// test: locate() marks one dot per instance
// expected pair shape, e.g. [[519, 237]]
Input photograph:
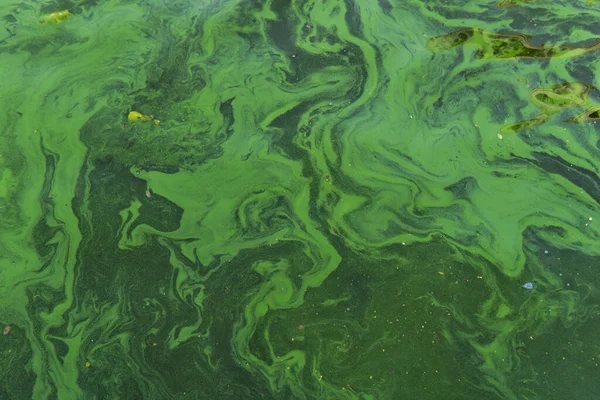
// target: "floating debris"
[[136, 116], [528, 285], [6, 330], [56, 17]]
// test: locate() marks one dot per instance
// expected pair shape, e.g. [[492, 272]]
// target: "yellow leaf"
[[56, 16], [136, 116]]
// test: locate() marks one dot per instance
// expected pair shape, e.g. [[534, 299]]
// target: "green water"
[[322, 200]]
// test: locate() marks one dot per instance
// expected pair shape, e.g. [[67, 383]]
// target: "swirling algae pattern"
[[333, 199]]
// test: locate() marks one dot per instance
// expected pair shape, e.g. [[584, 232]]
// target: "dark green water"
[[342, 199]]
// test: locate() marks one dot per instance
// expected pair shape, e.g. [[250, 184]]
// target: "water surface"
[[295, 199]]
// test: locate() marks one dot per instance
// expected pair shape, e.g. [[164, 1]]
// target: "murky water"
[[299, 199]]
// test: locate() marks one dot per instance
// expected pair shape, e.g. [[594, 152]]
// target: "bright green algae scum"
[[299, 199]]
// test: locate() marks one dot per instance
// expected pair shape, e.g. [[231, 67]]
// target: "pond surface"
[[295, 199]]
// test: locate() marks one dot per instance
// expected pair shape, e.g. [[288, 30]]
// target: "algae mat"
[[294, 199]]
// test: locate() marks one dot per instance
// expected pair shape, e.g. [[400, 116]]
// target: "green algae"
[[342, 200]]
